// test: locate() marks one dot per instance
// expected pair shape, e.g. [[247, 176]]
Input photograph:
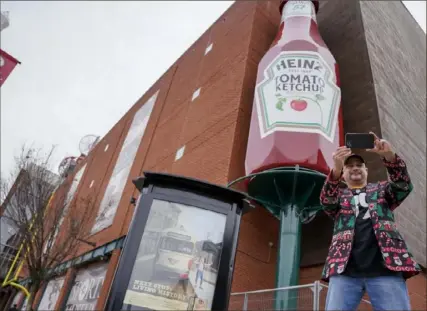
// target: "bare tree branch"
[[49, 219]]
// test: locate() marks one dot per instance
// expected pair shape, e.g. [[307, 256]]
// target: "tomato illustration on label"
[[298, 104]]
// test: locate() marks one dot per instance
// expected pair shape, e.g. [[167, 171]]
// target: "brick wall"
[[341, 26], [417, 288], [397, 50], [214, 127]]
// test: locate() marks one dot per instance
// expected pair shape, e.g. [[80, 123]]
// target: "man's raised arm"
[[329, 196], [399, 185]]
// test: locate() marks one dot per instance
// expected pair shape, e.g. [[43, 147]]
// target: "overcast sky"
[[84, 64]]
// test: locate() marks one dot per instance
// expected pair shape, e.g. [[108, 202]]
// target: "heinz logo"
[[298, 63]]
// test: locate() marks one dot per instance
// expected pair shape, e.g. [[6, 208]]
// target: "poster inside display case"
[[51, 294], [17, 299], [24, 304], [86, 287], [177, 263]]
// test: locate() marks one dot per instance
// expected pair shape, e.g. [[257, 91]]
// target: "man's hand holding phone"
[[382, 148], [339, 156]]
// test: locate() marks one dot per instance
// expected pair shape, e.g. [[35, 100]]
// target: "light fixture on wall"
[[270, 246], [133, 201]]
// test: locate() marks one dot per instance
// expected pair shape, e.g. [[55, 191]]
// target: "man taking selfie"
[[367, 252]]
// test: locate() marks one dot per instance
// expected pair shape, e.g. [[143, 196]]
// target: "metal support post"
[[245, 302], [288, 258]]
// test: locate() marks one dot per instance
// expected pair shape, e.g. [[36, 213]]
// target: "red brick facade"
[[214, 129]]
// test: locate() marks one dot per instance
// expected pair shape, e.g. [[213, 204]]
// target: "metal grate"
[[303, 297]]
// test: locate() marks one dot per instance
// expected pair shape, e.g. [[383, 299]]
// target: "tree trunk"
[[33, 292]]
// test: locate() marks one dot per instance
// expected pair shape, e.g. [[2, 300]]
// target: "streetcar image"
[[175, 253]]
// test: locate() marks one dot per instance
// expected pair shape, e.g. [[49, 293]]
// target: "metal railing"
[[7, 255], [301, 297]]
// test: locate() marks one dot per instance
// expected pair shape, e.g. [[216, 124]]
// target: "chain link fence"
[[303, 297]]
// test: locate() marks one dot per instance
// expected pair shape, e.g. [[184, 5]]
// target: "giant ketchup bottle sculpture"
[[296, 109], [295, 127]]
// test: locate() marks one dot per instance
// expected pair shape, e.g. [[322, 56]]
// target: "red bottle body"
[[296, 117]]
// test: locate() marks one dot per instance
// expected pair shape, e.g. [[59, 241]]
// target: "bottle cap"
[[315, 2]]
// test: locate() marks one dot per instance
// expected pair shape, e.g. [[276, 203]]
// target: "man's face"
[[355, 172]]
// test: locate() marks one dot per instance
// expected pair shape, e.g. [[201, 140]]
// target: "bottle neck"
[[296, 21]]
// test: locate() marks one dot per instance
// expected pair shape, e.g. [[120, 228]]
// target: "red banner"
[[7, 64]]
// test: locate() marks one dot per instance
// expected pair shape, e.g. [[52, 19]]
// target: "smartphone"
[[359, 140]]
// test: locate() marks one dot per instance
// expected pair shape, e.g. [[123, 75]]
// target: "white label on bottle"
[[298, 94], [299, 8]]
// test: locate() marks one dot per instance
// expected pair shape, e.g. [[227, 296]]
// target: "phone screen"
[[359, 140]]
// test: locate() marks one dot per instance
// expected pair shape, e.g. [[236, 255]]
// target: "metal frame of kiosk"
[[193, 193]]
